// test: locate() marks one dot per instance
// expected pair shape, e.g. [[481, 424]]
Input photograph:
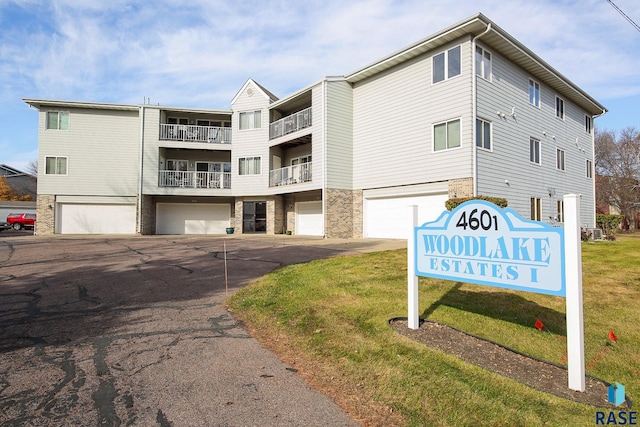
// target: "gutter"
[[474, 104], [324, 157]]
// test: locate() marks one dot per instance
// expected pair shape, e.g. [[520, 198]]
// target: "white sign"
[[480, 243]]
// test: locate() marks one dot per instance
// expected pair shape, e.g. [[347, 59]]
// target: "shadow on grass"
[[501, 305]]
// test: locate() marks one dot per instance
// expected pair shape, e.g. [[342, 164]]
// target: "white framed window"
[[58, 120], [249, 165], [177, 165], [250, 120], [559, 159], [483, 134], [446, 64], [534, 93], [559, 211], [534, 150], [589, 169], [446, 135], [55, 165], [536, 209], [588, 124], [483, 63], [559, 108]]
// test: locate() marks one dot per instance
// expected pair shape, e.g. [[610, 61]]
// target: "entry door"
[[254, 217]]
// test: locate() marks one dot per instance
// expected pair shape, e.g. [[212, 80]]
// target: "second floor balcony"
[[193, 133], [194, 179], [293, 174], [290, 124]]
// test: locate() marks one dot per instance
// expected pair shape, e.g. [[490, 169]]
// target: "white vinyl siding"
[[103, 150], [507, 170], [405, 156], [339, 155]]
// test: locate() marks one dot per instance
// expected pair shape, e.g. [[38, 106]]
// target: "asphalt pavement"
[[112, 331]]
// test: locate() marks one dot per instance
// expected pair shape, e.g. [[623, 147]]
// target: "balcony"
[[290, 175], [290, 124], [193, 179], [193, 133]]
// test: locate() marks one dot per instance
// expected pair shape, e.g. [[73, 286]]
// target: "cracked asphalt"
[[110, 331]]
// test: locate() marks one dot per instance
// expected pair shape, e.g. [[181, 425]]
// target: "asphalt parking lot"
[[113, 331]]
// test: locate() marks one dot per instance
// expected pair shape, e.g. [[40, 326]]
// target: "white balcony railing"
[[289, 124], [192, 133], [193, 179], [290, 175]]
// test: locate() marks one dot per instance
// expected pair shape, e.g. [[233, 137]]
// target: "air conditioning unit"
[[595, 233]]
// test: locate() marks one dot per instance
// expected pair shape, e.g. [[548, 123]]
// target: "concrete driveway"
[[111, 331]]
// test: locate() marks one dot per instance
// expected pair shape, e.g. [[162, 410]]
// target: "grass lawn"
[[328, 319]]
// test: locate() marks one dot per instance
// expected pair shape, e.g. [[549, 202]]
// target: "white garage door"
[[309, 219], [388, 217], [96, 219], [191, 218]]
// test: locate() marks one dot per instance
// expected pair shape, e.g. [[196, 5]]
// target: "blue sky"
[[198, 53]]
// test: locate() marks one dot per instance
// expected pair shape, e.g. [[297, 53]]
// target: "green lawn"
[[329, 319]]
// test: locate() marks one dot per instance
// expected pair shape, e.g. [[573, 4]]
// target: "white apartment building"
[[467, 111]]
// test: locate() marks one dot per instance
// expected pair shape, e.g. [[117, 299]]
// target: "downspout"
[[140, 172], [324, 157], [474, 104]]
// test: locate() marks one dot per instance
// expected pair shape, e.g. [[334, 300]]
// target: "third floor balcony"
[[291, 123]]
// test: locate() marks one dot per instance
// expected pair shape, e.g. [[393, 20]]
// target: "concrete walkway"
[[116, 331]]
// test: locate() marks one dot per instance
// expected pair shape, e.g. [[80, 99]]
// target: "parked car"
[[21, 220], [4, 226]]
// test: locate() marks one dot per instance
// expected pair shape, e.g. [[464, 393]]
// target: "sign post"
[[480, 243], [574, 300]]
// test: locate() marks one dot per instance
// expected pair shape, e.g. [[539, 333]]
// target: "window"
[[536, 209], [534, 150], [250, 120], [560, 108], [483, 63], [249, 166], [588, 124], [446, 135], [559, 159], [177, 121], [446, 64], [589, 169], [483, 134], [55, 165], [58, 120], [559, 211], [534, 93]]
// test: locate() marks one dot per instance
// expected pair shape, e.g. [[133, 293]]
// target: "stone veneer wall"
[[45, 225], [459, 188], [148, 216], [343, 213]]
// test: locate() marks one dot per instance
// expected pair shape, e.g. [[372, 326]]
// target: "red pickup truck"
[[21, 220]]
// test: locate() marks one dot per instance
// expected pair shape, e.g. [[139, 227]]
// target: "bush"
[[608, 223], [451, 204]]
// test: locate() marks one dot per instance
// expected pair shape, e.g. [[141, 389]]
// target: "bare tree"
[[32, 167], [617, 162]]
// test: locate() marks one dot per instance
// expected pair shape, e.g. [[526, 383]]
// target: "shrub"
[[608, 223], [451, 204]]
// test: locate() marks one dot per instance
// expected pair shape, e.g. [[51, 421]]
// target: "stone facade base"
[[343, 213], [46, 214], [460, 188]]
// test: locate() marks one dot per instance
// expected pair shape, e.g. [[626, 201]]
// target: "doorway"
[[254, 217]]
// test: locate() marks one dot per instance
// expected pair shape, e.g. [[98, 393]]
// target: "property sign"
[[480, 243]]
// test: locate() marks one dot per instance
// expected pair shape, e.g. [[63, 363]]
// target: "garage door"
[[184, 218], [309, 219], [388, 217], [96, 219]]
